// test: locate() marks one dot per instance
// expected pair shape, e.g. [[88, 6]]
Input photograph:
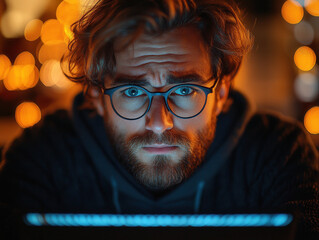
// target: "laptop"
[[57, 226]]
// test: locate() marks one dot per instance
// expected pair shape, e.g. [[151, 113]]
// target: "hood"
[[127, 195]]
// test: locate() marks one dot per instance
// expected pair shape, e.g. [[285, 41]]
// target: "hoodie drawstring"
[[115, 196], [198, 196]]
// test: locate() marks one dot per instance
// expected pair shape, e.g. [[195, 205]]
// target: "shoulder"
[[280, 158], [276, 135]]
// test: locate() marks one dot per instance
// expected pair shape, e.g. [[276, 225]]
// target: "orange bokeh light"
[[305, 58], [52, 31], [24, 58], [46, 73], [29, 77], [12, 81], [68, 12], [292, 12], [311, 120], [51, 75], [52, 51], [312, 7], [21, 77], [32, 30], [5, 65], [27, 114]]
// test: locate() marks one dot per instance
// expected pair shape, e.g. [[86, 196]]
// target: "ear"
[[222, 95], [96, 99]]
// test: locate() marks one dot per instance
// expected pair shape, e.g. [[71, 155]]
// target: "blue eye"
[[184, 91], [133, 92]]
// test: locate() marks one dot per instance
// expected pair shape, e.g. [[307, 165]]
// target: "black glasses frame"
[[110, 91]]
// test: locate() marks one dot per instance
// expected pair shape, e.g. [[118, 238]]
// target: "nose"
[[158, 118]]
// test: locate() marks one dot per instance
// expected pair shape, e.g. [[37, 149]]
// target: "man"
[[157, 129]]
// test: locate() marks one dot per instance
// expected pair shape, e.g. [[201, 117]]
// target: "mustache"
[[170, 137]]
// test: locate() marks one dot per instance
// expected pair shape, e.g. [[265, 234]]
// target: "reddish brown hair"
[[91, 57]]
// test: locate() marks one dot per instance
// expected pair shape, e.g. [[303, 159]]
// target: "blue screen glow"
[[117, 220]]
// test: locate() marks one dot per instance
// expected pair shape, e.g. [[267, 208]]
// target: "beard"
[[162, 172]]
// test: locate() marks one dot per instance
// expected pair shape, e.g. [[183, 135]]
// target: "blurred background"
[[280, 74]]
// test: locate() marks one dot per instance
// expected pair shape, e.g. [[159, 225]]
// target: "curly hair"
[[91, 53]]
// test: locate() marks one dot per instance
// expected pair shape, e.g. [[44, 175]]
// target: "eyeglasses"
[[185, 101]]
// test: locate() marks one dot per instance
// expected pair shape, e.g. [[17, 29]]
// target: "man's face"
[[160, 149]]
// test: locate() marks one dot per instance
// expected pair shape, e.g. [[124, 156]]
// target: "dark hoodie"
[[257, 162]]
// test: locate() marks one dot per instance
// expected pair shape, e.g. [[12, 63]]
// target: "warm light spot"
[[52, 51], [21, 77], [67, 13], [292, 12], [47, 76], [33, 30], [52, 31], [18, 13], [5, 65], [27, 114], [12, 81], [29, 77], [24, 58], [63, 82], [13, 22], [312, 7], [73, 1], [305, 58], [51, 75], [68, 32], [311, 120]]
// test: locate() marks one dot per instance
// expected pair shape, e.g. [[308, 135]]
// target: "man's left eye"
[[184, 91]]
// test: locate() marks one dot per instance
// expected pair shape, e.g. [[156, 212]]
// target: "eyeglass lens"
[[184, 101]]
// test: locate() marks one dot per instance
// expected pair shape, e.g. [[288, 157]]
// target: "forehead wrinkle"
[[151, 59], [160, 50]]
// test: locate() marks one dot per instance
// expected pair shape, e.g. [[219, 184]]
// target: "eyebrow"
[[171, 79]]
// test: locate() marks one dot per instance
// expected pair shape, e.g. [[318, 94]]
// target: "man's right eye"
[[133, 92]]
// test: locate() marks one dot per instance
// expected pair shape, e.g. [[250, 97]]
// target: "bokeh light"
[[24, 58], [46, 76], [51, 75], [68, 12], [23, 74], [27, 114], [68, 32], [21, 77], [33, 30], [52, 51], [292, 12], [5, 65], [305, 58], [304, 33], [52, 32], [12, 81], [311, 120], [13, 23], [307, 87], [18, 13], [312, 7]]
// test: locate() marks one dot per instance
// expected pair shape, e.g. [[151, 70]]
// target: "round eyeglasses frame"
[[110, 91]]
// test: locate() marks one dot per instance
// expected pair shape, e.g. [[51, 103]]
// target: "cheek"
[[119, 125], [202, 121]]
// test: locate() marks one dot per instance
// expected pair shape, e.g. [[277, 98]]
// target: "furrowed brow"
[[189, 78], [125, 80], [171, 79]]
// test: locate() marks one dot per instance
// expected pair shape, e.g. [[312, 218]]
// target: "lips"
[[159, 148]]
